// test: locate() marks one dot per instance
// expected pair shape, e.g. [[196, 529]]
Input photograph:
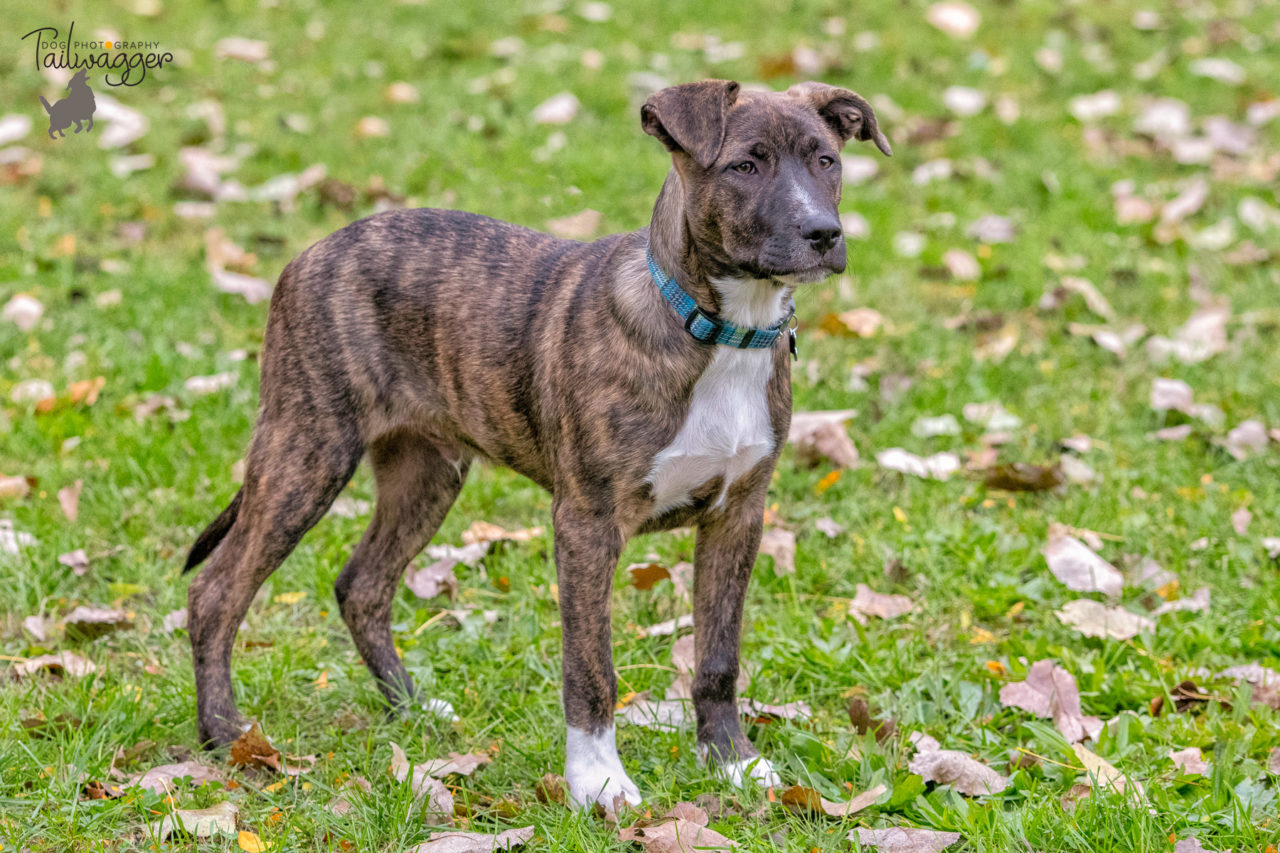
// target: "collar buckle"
[[716, 328]]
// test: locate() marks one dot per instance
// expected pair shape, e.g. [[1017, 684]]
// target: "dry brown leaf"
[[1073, 563], [863, 720], [781, 546], [645, 575], [63, 663], [475, 842], [252, 288], [903, 839], [861, 322], [955, 18], [1189, 760], [162, 779], [829, 527], [552, 789], [244, 49], [252, 749], [14, 487], [1246, 439], [1094, 619], [821, 435], [35, 626], [957, 769], [1197, 602], [662, 714], [439, 801], [89, 623], [802, 799], [1051, 691], [1273, 761], [1023, 477], [868, 603], [669, 627]]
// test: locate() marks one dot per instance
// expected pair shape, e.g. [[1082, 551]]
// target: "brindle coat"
[[427, 338]]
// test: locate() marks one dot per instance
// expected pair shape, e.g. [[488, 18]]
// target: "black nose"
[[822, 232]]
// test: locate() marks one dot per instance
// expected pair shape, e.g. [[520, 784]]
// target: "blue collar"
[[710, 330]]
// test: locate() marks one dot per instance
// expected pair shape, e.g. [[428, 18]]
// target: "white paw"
[[441, 709], [758, 771], [594, 771]]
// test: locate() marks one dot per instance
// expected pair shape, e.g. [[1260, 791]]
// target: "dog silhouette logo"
[[77, 107]]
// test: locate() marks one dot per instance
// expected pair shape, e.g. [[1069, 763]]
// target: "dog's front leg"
[[588, 545], [724, 556]]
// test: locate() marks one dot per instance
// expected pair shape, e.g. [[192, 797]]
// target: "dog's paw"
[[594, 771], [440, 709], [750, 771]]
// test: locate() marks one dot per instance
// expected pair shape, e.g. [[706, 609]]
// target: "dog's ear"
[[690, 117], [847, 113]]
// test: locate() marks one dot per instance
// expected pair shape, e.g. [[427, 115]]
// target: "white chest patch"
[[727, 430]]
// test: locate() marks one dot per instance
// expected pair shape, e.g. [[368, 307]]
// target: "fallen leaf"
[[829, 527], [802, 799], [1088, 109], [1272, 544], [1094, 619], [552, 789], [484, 532], [957, 19], [957, 769], [162, 779], [1197, 602], [89, 623], [781, 546], [760, 712], [1201, 337], [252, 288], [900, 839], [1190, 844], [434, 579], [868, 603], [439, 801], [821, 435], [1073, 563], [200, 823], [1102, 772], [662, 714], [253, 749], [201, 385], [1050, 691], [77, 561], [35, 626], [1247, 439], [69, 500], [456, 764], [62, 663], [583, 225], [1189, 760], [174, 620], [939, 466], [861, 322], [992, 416], [123, 125], [864, 721], [558, 109], [475, 842], [645, 575], [669, 627], [250, 842], [243, 49], [1023, 477], [24, 311], [675, 836], [1240, 521]]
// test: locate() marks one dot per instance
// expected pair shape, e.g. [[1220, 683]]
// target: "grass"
[[968, 556]]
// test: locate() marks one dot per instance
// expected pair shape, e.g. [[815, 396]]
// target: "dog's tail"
[[47, 108], [213, 534]]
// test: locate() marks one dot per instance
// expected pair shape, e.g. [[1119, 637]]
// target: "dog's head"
[[760, 172], [80, 79]]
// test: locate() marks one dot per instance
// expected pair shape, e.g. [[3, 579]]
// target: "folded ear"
[[690, 117], [848, 113]]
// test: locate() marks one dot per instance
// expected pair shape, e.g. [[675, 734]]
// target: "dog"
[[78, 106], [642, 379]]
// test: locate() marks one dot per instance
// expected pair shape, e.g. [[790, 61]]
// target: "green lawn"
[[126, 296]]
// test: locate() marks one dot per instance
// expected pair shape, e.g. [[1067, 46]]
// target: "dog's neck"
[[741, 300]]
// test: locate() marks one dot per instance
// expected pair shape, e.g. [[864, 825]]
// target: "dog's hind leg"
[[292, 477], [417, 483], [79, 125], [90, 127]]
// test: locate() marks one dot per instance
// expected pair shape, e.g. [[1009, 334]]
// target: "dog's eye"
[[826, 162], [746, 167]]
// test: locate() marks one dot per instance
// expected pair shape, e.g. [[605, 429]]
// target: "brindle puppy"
[[428, 338]]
